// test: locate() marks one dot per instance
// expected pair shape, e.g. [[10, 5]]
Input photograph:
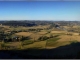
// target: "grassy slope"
[[40, 44]]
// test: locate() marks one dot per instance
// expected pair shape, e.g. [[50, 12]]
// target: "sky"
[[39, 10]]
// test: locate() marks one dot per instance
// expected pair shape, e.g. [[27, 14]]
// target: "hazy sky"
[[39, 10]]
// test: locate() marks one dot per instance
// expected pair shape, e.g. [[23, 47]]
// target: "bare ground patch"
[[23, 33], [69, 38]]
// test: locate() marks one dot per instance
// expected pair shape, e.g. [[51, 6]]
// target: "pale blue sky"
[[39, 10]]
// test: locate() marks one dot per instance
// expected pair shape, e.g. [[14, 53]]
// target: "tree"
[[25, 38], [43, 38]]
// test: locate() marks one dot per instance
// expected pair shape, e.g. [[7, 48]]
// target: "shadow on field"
[[71, 51]]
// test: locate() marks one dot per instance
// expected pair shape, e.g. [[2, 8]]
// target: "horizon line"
[[40, 0], [39, 20]]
